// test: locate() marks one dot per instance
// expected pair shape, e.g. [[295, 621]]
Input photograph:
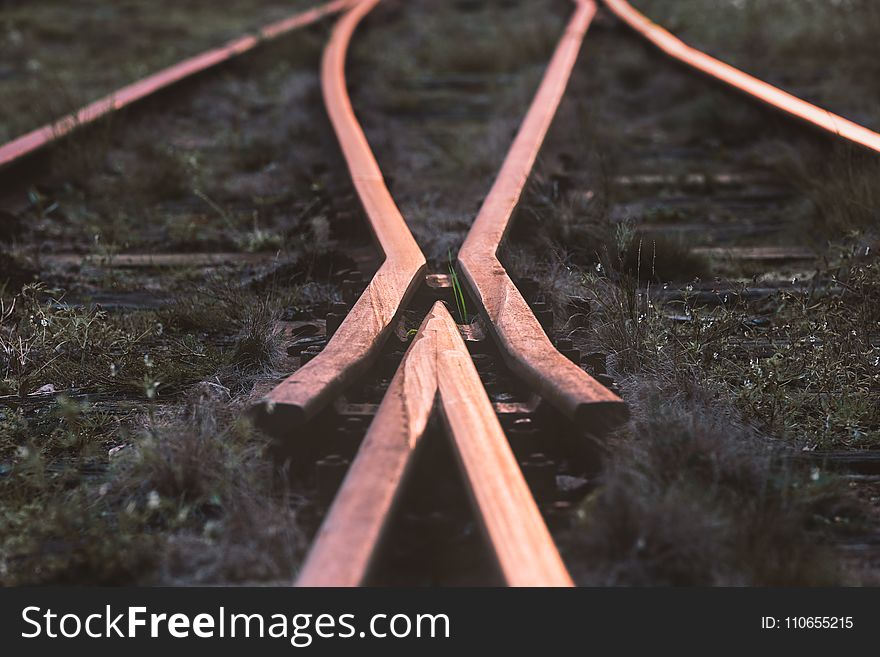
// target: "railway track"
[[495, 446]]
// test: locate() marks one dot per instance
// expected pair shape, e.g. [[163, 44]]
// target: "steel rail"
[[41, 137], [525, 347], [436, 372], [371, 320], [752, 86]]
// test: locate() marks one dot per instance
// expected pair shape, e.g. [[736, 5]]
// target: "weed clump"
[[842, 191], [14, 272], [44, 341], [72, 540], [205, 478], [691, 497]]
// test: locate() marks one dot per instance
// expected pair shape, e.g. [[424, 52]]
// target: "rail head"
[[530, 354], [526, 348], [371, 320], [436, 372]]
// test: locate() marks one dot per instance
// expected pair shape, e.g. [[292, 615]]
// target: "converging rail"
[[437, 370], [526, 348], [524, 345], [360, 336], [41, 137], [763, 91]]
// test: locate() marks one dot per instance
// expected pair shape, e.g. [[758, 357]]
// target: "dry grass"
[[43, 340], [809, 376], [193, 499], [842, 190], [188, 492], [215, 180], [69, 540], [577, 228], [691, 496], [205, 478], [698, 489]]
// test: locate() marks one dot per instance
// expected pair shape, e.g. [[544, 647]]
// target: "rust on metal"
[[525, 347], [763, 91], [371, 320], [44, 135], [436, 371]]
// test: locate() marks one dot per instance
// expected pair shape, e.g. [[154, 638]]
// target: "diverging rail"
[[748, 84], [361, 335], [524, 345], [19, 148]]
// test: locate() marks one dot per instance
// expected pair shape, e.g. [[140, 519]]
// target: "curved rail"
[[360, 336], [526, 348], [437, 370], [763, 91], [43, 136]]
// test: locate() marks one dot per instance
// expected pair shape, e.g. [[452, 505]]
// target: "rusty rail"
[[752, 86], [527, 350], [359, 338], [41, 137], [437, 370]]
